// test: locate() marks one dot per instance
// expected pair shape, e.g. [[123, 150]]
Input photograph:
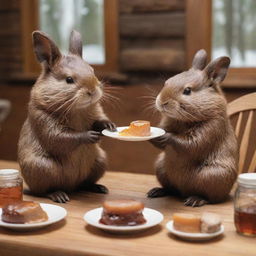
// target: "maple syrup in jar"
[[11, 186], [245, 204]]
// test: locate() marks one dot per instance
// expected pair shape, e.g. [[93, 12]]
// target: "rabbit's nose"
[[90, 93], [164, 104]]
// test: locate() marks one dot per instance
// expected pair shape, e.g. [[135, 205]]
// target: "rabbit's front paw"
[[195, 201], [100, 125], [92, 137], [162, 141], [58, 197]]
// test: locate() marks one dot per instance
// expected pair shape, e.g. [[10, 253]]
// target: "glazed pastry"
[[122, 213], [137, 128], [186, 222], [23, 212]]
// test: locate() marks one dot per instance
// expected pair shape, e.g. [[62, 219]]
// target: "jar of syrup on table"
[[11, 186], [245, 204]]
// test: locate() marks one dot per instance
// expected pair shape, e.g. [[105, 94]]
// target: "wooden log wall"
[[10, 38], [152, 35]]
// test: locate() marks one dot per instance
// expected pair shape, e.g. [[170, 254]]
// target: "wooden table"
[[74, 237]]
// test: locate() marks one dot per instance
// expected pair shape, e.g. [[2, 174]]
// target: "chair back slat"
[[238, 124], [252, 166], [240, 106], [245, 142]]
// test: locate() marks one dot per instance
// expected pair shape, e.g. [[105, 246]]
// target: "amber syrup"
[[10, 195], [245, 220]]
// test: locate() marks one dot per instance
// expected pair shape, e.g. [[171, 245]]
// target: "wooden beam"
[[138, 6], [111, 14], [29, 23], [152, 60], [146, 43], [198, 28], [153, 25]]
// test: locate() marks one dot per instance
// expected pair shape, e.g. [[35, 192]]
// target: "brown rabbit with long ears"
[[58, 150], [200, 156]]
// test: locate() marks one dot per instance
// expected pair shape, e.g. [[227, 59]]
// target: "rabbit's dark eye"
[[187, 91], [69, 80]]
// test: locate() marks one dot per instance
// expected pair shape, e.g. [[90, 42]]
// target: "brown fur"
[[200, 149], [56, 151]]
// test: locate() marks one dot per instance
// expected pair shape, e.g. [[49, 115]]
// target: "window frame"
[[30, 22], [200, 12]]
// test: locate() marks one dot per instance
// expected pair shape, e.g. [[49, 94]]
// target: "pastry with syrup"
[[138, 128], [23, 212], [122, 213]]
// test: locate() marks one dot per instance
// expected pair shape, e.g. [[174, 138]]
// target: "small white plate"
[[155, 132], [152, 217], [55, 213], [193, 236]]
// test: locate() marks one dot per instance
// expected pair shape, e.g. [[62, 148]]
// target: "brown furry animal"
[[200, 155], [58, 150]]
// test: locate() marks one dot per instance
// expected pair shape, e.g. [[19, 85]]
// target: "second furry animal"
[[200, 156], [58, 150]]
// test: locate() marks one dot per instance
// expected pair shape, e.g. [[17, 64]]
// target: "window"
[[234, 30], [58, 18], [224, 27], [96, 20]]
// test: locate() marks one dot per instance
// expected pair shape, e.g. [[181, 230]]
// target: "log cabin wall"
[[145, 43], [146, 47], [10, 38]]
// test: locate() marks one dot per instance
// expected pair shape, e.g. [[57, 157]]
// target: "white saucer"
[[152, 217], [193, 236], [55, 213], [155, 132]]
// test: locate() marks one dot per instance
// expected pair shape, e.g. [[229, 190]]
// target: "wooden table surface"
[[74, 237]]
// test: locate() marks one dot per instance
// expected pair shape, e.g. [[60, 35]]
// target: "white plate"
[[152, 217], [155, 132], [55, 213], [193, 236]]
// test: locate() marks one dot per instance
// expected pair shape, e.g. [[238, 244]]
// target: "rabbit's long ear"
[[200, 59], [75, 43], [217, 69], [45, 49]]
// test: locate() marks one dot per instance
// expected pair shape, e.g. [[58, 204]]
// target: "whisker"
[[150, 111], [111, 101], [147, 97], [58, 107], [152, 91], [68, 109], [116, 93], [110, 98], [65, 103], [109, 87]]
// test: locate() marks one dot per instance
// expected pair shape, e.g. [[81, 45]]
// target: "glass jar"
[[11, 186], [245, 204]]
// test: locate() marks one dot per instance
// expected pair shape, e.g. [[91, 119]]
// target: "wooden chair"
[[243, 107]]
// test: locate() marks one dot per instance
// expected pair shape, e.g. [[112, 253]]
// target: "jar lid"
[[8, 173], [247, 179]]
